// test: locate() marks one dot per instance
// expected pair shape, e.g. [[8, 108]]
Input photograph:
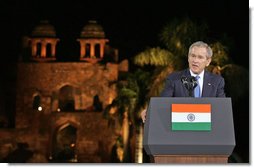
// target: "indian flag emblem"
[[196, 117]]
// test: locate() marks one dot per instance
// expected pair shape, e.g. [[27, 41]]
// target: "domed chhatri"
[[92, 42], [43, 42], [92, 30], [44, 29]]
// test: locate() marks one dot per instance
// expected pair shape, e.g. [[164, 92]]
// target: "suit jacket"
[[213, 85]]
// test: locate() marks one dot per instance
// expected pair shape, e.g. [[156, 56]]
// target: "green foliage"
[[162, 60], [131, 96], [154, 56], [158, 80], [178, 35], [220, 54]]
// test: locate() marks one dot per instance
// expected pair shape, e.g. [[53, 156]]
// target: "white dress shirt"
[[200, 80]]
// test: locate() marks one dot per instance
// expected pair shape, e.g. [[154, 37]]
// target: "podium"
[[166, 145]]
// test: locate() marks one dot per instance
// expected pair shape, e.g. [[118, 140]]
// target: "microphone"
[[194, 82], [185, 82], [189, 83]]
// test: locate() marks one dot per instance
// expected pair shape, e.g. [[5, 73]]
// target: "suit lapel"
[[207, 86], [186, 73]]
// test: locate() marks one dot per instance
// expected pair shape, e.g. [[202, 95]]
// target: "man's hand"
[[143, 115]]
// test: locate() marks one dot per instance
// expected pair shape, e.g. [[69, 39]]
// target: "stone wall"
[[36, 128], [45, 79]]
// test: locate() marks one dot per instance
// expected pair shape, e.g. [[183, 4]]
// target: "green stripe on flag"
[[204, 126]]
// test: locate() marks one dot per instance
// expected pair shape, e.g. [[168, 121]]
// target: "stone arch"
[[38, 49], [36, 101], [64, 141], [87, 49], [66, 98], [49, 50], [76, 100], [97, 50], [97, 104]]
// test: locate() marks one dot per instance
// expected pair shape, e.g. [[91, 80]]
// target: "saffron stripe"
[[191, 126], [201, 108]]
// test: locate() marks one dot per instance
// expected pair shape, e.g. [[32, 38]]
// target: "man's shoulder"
[[177, 74], [214, 76]]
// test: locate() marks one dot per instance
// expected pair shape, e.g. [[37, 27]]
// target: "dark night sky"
[[130, 26]]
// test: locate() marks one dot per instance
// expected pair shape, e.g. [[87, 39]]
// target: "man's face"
[[198, 59]]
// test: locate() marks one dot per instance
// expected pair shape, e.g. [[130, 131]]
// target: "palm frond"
[[159, 80], [154, 56], [179, 34], [220, 54]]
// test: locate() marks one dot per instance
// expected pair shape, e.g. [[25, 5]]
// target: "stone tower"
[[43, 42], [92, 42]]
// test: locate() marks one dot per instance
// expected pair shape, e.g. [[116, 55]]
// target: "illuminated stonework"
[[43, 42], [59, 105], [92, 42]]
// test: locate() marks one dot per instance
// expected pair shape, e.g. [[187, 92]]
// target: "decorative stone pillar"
[[82, 49], [34, 48], [45, 35], [43, 49], [92, 34], [92, 53], [53, 49]]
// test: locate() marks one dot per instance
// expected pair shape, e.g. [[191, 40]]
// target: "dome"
[[92, 30], [44, 29]]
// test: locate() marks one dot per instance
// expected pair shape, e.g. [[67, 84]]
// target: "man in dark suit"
[[206, 85], [199, 57], [213, 85]]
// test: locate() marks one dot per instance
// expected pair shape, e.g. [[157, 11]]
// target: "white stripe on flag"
[[199, 117]]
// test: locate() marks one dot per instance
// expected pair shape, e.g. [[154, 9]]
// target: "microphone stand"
[[193, 83], [190, 84], [191, 94]]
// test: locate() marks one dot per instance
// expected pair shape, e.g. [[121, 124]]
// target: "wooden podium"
[[189, 159], [165, 145]]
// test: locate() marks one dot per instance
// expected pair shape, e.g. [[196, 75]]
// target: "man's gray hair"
[[202, 44]]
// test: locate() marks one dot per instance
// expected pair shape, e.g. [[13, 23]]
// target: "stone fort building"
[[59, 105]]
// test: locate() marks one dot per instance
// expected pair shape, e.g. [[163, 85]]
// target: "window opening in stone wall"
[[97, 104], [64, 149], [88, 46], [66, 99], [48, 50], [38, 49], [97, 50], [36, 102]]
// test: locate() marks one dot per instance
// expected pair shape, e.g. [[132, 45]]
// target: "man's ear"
[[208, 61]]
